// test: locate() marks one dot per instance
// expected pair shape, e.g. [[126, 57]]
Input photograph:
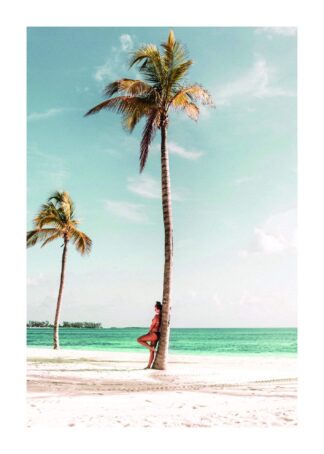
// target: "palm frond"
[[171, 39], [67, 205], [130, 120], [199, 93], [34, 236], [62, 198], [52, 238], [152, 65], [58, 213], [63, 204], [50, 215], [53, 209], [192, 93], [181, 101], [177, 63], [192, 110], [114, 104], [57, 196], [148, 136], [123, 104], [81, 241], [146, 52], [179, 71], [128, 86], [50, 221], [174, 52]]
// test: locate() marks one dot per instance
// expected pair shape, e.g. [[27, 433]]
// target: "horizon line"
[[182, 327]]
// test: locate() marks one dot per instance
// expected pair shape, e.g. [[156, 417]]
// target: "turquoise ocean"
[[194, 341]]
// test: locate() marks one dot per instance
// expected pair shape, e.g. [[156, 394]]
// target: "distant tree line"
[[34, 324], [46, 324], [81, 325]]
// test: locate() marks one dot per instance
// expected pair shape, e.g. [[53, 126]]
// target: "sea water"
[[194, 341]]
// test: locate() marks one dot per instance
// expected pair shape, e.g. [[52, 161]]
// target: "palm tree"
[[152, 98], [58, 215]]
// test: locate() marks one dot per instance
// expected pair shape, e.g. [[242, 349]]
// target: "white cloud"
[[111, 68], [269, 243], [126, 42], [43, 115], [104, 71], [257, 82], [35, 281], [148, 187], [145, 186], [34, 116], [270, 31], [276, 235], [243, 180], [131, 211], [183, 153]]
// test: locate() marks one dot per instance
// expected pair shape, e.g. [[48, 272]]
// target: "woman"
[[153, 335]]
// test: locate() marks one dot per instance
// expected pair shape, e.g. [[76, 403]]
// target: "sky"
[[233, 180]]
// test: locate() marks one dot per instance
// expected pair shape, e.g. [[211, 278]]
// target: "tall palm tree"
[[152, 98], [58, 215]]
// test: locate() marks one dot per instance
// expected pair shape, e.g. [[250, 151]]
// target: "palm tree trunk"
[[59, 298], [160, 361]]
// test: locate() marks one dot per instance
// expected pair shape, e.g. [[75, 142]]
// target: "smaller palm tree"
[[58, 217]]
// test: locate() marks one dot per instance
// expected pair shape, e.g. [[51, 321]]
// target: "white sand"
[[69, 388]]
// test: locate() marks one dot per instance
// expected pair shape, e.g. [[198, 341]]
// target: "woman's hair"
[[158, 305]]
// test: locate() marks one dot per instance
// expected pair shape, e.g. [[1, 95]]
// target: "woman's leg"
[[153, 344], [143, 340]]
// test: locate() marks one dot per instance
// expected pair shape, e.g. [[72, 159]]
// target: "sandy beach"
[[70, 388]]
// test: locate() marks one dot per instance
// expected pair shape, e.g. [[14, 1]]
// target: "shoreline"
[[92, 388], [171, 352]]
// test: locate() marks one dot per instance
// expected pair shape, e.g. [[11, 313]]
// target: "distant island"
[[46, 324]]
